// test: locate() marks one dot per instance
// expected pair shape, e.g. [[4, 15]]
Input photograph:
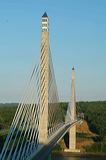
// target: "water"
[[78, 158]]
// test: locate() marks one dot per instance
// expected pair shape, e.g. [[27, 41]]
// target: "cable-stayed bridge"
[[39, 123]]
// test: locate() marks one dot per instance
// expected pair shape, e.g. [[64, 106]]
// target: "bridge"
[[39, 123]]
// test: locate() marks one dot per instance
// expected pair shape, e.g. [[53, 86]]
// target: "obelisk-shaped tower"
[[44, 73], [72, 131]]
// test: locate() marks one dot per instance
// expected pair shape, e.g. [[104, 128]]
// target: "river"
[[78, 158]]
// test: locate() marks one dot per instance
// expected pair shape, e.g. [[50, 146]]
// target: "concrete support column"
[[72, 116], [72, 138], [44, 78]]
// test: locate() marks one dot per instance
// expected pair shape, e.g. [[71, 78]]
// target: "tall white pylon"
[[71, 116], [72, 131], [73, 97], [44, 71]]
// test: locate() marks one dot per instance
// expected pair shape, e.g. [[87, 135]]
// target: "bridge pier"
[[72, 138]]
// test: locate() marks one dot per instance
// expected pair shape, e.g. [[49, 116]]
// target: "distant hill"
[[8, 104]]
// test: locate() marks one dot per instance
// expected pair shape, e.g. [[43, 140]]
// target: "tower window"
[[44, 25], [44, 20], [43, 30]]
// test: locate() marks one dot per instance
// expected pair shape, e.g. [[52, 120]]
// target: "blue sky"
[[77, 37]]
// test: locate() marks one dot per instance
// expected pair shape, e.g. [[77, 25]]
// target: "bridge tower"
[[44, 75], [71, 116], [72, 131]]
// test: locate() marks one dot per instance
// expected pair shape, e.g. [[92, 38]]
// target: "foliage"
[[63, 106], [97, 147], [95, 115], [7, 112], [84, 135]]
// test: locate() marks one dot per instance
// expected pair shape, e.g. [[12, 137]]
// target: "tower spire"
[[45, 23], [73, 73], [45, 15], [73, 68]]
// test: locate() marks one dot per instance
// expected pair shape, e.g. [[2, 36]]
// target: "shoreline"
[[71, 154]]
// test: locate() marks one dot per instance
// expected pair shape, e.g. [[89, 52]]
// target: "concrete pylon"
[[44, 73], [72, 138], [72, 109], [72, 131]]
